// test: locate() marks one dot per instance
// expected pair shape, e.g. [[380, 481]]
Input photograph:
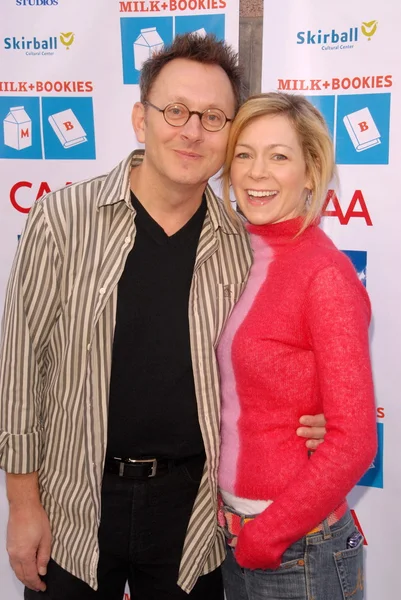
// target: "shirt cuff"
[[20, 453]]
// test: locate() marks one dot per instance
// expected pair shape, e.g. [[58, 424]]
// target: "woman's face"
[[268, 171]]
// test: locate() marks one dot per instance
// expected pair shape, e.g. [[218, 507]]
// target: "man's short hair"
[[202, 49]]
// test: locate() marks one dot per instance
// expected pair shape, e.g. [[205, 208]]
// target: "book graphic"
[[67, 128], [147, 42], [362, 129], [17, 129]]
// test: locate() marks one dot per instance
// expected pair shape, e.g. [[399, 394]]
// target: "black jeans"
[[141, 534]]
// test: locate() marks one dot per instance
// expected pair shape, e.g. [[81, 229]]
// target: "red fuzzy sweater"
[[296, 343]]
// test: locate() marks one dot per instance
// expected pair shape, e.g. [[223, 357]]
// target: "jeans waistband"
[[232, 521]]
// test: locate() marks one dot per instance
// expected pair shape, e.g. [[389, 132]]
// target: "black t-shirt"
[[152, 405]]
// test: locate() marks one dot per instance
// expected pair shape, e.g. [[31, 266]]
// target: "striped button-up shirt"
[[56, 351]]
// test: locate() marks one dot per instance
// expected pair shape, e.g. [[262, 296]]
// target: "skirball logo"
[[335, 39], [67, 39], [35, 45]]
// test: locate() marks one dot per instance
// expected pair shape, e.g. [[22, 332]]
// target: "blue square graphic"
[[326, 105], [363, 129], [374, 475], [359, 260], [68, 128], [212, 24], [140, 38], [20, 136]]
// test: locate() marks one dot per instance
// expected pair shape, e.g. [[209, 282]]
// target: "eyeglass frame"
[[190, 113]]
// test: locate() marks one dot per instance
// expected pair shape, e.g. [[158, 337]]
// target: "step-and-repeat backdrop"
[[345, 57], [69, 72], [68, 80]]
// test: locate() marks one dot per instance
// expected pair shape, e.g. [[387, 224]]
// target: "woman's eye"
[[242, 155], [279, 157]]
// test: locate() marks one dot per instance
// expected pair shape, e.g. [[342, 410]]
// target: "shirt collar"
[[116, 188]]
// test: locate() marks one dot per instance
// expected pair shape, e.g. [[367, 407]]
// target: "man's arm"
[[313, 429], [28, 531], [30, 307]]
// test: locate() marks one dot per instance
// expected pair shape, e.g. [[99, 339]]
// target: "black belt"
[[142, 468]]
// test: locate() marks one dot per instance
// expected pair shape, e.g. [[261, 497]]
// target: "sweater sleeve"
[[338, 313]]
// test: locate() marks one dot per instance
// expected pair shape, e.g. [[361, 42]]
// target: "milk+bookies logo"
[[338, 39]]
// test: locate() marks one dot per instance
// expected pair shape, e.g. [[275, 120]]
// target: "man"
[[109, 386]]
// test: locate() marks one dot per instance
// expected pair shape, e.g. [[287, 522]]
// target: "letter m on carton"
[[17, 129]]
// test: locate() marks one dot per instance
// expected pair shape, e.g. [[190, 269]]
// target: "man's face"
[[187, 155]]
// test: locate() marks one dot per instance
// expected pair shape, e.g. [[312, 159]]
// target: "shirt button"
[[102, 291], [88, 347], [127, 239]]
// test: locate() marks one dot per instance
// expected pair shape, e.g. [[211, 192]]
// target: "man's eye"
[[176, 111]]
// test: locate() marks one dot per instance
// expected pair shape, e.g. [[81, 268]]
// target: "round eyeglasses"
[[177, 114]]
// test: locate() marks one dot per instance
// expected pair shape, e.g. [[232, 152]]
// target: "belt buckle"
[[143, 460]]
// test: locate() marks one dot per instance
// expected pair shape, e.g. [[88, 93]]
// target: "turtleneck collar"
[[282, 233]]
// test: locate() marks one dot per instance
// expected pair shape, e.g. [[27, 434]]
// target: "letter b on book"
[[67, 128], [362, 129]]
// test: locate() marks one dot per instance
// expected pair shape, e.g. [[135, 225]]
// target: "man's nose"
[[193, 128]]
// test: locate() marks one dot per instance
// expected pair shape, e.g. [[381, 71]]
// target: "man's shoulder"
[[84, 197]]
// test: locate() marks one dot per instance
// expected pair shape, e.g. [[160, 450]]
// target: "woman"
[[296, 343]]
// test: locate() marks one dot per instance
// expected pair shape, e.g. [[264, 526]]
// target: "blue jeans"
[[317, 567]]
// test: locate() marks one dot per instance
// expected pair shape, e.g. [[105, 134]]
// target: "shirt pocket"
[[228, 295]]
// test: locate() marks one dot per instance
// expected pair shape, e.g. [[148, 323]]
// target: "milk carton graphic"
[[362, 129], [200, 32], [17, 129], [67, 128], [147, 43]]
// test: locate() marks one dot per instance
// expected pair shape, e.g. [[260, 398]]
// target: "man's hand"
[[28, 544], [314, 430], [28, 532]]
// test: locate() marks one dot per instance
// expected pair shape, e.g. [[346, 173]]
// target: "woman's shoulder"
[[323, 261]]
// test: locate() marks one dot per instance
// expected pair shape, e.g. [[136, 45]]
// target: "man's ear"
[[138, 121]]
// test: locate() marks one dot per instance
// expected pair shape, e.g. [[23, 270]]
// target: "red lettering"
[[68, 125], [284, 84], [365, 82], [351, 212], [363, 126], [335, 83], [357, 523], [389, 80], [315, 84], [379, 81], [380, 412], [24, 133], [43, 189], [14, 189]]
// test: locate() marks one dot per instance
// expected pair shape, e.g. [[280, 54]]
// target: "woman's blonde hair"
[[313, 136]]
